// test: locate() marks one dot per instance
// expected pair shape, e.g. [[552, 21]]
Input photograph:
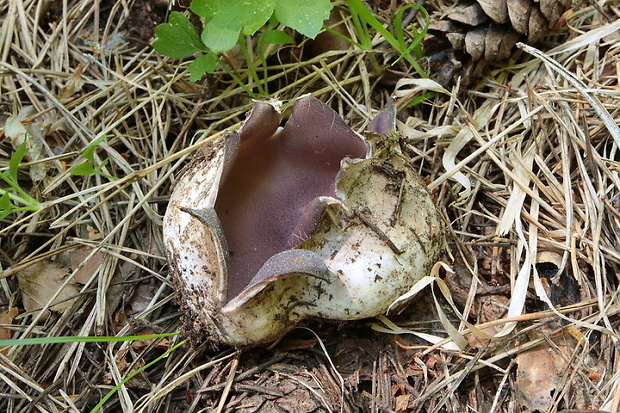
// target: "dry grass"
[[538, 157]]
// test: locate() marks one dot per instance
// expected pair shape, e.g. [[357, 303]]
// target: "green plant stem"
[[237, 80], [263, 60], [252, 68], [113, 391], [21, 197], [416, 44], [361, 30], [363, 34], [30, 204], [365, 39], [358, 7], [79, 339]]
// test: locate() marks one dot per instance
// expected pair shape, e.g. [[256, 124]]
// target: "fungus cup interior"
[[271, 196]]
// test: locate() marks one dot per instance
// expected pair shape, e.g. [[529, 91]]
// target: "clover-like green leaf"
[[203, 64], [274, 37], [226, 19], [178, 37], [220, 38], [307, 19], [90, 166]]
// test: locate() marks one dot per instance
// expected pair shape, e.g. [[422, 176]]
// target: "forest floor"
[[523, 164]]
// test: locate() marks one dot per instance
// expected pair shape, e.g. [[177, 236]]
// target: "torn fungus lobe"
[[269, 200]]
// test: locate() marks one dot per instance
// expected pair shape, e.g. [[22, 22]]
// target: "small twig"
[[365, 217]]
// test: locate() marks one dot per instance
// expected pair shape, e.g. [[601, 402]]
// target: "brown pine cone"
[[465, 37]]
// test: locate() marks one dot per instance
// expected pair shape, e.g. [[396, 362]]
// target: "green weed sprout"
[[14, 198], [90, 165], [99, 339], [226, 22], [412, 52]]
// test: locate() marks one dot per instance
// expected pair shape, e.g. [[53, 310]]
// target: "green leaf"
[[226, 19], [85, 168], [178, 37], [5, 213], [359, 7], [79, 339], [132, 374], [275, 37], [307, 19], [16, 159], [220, 39], [205, 8], [5, 202], [89, 152], [203, 64], [415, 46]]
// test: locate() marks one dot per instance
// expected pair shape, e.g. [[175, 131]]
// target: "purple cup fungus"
[[269, 226]]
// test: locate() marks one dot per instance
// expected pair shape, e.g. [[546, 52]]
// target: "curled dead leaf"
[[560, 285]]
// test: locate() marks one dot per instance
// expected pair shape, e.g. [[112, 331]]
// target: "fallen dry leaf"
[[540, 371], [6, 317], [121, 365], [71, 259], [40, 281], [74, 84], [404, 403], [141, 298], [537, 377], [126, 367]]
